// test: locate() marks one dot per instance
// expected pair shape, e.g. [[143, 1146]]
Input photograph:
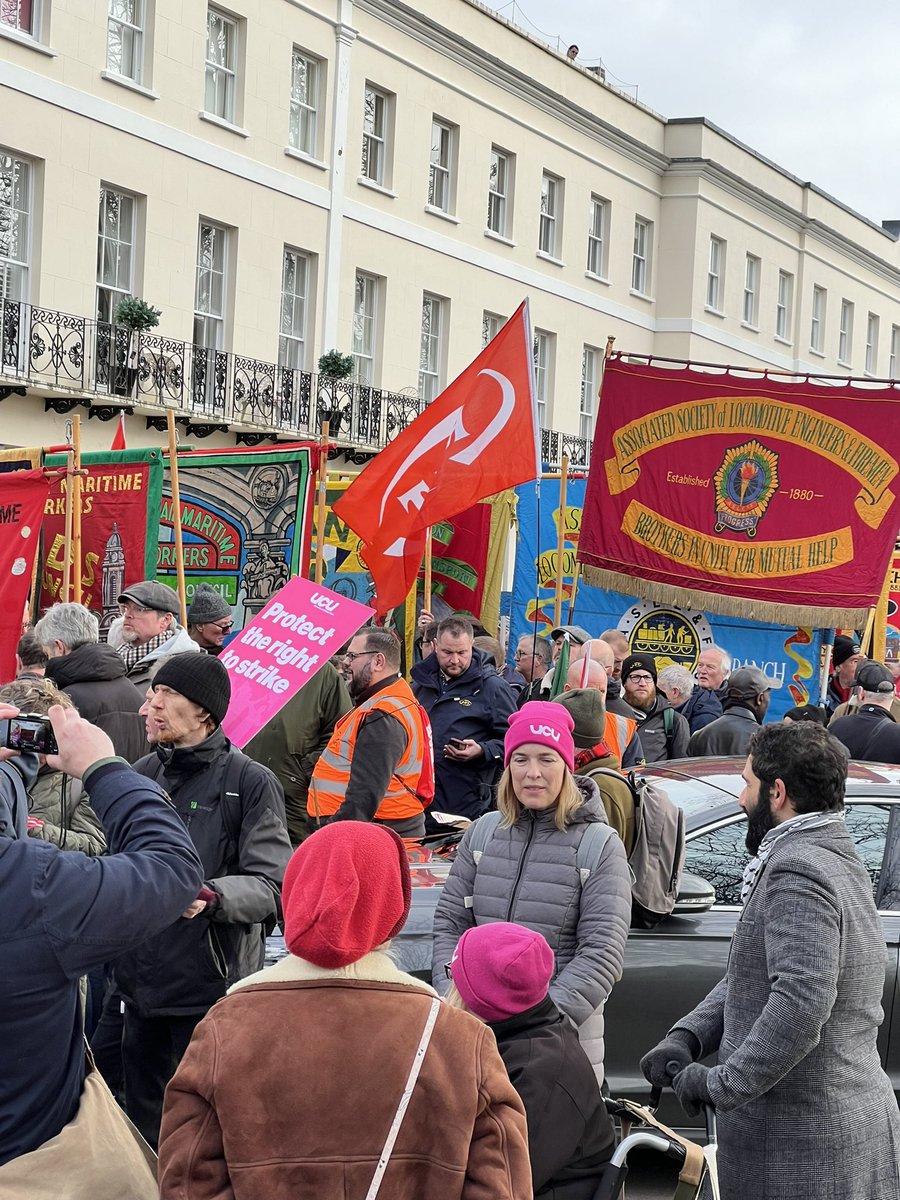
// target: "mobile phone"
[[456, 743], [32, 733]]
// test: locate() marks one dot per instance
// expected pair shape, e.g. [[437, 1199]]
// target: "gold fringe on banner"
[[727, 606]]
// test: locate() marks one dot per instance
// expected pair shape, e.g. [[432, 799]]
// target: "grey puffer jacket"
[[528, 874]]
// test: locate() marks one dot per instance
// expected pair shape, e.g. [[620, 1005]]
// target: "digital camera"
[[31, 733]]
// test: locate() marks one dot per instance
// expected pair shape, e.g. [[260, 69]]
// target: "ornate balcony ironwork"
[[77, 361]]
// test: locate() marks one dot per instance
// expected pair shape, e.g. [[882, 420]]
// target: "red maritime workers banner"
[[476, 439], [23, 495], [746, 496]]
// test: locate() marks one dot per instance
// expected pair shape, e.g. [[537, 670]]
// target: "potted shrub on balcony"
[[332, 366], [136, 316]]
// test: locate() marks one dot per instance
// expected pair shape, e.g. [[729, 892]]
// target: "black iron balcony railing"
[[53, 350]]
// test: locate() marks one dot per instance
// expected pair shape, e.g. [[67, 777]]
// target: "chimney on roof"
[[892, 227]]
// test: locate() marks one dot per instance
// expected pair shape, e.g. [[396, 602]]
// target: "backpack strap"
[[232, 813], [590, 848], [479, 836], [669, 727]]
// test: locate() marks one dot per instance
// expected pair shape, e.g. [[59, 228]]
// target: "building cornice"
[[494, 70], [727, 181]]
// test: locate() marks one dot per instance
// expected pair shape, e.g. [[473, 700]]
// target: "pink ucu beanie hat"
[[501, 969], [541, 723]]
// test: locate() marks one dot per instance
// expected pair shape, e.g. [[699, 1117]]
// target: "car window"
[[868, 825], [719, 856]]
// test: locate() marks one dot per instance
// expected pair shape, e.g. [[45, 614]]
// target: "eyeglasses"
[[351, 655], [225, 626], [640, 678], [447, 971], [133, 609]]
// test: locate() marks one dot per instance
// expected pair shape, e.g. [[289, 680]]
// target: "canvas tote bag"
[[99, 1155]]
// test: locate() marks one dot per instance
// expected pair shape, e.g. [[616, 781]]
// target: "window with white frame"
[[125, 38], [895, 351], [431, 349], [15, 226], [549, 238], [376, 117], [845, 332], [23, 15], [115, 251], [365, 327], [784, 306], [500, 192], [221, 65], [491, 324], [597, 237], [714, 276], [750, 313], [873, 324], [591, 358], [640, 258], [303, 131], [210, 297], [294, 295], [441, 181], [817, 320], [543, 372]]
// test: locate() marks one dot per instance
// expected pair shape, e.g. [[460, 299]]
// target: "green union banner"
[[745, 495], [246, 521]]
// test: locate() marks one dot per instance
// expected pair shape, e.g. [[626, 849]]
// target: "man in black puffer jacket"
[[234, 812], [93, 675]]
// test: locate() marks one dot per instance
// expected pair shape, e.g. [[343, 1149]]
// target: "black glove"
[[690, 1088], [655, 1062]]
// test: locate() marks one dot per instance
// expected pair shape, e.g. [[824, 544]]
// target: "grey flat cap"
[[150, 594]]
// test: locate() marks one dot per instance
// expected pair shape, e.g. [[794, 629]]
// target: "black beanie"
[[198, 677], [844, 648], [639, 662]]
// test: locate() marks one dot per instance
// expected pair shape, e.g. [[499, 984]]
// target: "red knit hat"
[[542, 723], [346, 890], [501, 969]]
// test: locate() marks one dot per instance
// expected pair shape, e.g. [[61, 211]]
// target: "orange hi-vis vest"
[[331, 776], [619, 732]]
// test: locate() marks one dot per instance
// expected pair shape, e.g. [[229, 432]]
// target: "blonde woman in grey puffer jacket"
[[528, 872]]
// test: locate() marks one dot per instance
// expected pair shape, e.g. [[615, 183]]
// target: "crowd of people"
[[144, 859]]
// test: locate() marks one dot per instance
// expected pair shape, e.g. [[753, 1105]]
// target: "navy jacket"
[[476, 705], [870, 734], [701, 708], [63, 914]]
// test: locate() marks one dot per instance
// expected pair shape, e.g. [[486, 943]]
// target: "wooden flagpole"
[[426, 596], [576, 575], [866, 643], [67, 534], [561, 540], [879, 633], [76, 510], [176, 514], [319, 572]]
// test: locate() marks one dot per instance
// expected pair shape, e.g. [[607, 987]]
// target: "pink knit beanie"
[[542, 723], [501, 969]]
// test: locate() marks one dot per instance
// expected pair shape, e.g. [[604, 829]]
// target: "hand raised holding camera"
[[81, 744]]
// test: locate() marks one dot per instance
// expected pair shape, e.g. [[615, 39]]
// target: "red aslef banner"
[[753, 497], [23, 495]]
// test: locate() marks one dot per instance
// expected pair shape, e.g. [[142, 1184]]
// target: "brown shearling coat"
[[291, 1082]]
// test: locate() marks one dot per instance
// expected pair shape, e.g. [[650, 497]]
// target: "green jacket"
[[290, 744], [69, 820]]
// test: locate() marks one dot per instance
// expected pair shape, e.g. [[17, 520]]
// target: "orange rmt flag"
[[479, 436]]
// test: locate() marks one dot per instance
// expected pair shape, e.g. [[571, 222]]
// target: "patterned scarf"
[[794, 825], [132, 655]]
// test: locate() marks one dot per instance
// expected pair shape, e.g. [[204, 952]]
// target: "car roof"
[[703, 785]]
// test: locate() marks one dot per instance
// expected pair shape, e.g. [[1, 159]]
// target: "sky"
[[815, 87]]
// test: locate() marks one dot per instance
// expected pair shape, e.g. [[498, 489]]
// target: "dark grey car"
[[669, 969]]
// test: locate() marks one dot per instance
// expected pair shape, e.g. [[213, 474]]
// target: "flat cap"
[[151, 594], [750, 681]]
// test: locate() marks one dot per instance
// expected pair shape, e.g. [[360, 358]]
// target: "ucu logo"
[[545, 731], [321, 601]]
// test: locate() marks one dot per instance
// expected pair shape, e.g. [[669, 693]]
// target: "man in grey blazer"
[[805, 1109]]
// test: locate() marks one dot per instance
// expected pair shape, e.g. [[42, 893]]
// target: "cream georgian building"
[[281, 178]]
